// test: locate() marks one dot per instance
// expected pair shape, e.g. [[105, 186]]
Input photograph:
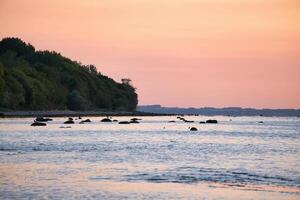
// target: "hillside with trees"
[[46, 80]]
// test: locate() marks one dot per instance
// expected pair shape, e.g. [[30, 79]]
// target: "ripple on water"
[[194, 175]]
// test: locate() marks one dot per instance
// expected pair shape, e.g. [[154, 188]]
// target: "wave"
[[191, 175]]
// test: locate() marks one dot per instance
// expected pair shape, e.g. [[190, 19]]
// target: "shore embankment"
[[64, 113]]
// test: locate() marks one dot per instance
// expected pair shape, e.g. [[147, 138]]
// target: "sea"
[[239, 158]]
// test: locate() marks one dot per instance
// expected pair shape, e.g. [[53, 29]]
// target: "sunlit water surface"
[[238, 158]]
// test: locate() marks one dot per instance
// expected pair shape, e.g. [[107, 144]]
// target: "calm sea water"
[[238, 158]]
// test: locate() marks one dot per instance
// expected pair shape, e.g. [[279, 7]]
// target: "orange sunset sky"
[[188, 53]]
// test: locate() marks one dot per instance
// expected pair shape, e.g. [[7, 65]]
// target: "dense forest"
[[45, 80]]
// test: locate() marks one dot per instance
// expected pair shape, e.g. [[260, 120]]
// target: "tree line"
[[46, 80]]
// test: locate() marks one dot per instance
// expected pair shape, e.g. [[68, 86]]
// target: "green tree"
[[44, 80], [75, 101]]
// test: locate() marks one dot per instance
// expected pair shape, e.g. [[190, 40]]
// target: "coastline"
[[95, 113], [69, 113]]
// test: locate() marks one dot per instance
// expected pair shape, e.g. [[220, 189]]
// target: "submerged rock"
[[188, 121], [172, 121], [65, 127], [42, 119], [38, 124], [124, 122], [211, 121], [135, 119], [87, 120]]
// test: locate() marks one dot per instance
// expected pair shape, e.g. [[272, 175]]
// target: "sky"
[[187, 53]]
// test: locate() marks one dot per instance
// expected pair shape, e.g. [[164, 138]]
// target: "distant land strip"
[[228, 111]]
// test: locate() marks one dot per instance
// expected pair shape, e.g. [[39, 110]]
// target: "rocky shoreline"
[[67, 113]]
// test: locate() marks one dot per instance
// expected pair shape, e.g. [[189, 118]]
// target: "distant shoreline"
[[69, 113], [227, 111]]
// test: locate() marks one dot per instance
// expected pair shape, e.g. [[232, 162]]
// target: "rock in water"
[[87, 120], [135, 119], [134, 122], [38, 124], [193, 129], [106, 120], [69, 122], [211, 121]]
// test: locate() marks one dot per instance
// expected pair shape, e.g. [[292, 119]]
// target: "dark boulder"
[[87, 120], [115, 120], [106, 120], [38, 124], [211, 121], [135, 119], [193, 129], [69, 122], [172, 121], [134, 122], [202, 122]]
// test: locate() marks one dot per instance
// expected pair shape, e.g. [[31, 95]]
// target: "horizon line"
[[191, 107]]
